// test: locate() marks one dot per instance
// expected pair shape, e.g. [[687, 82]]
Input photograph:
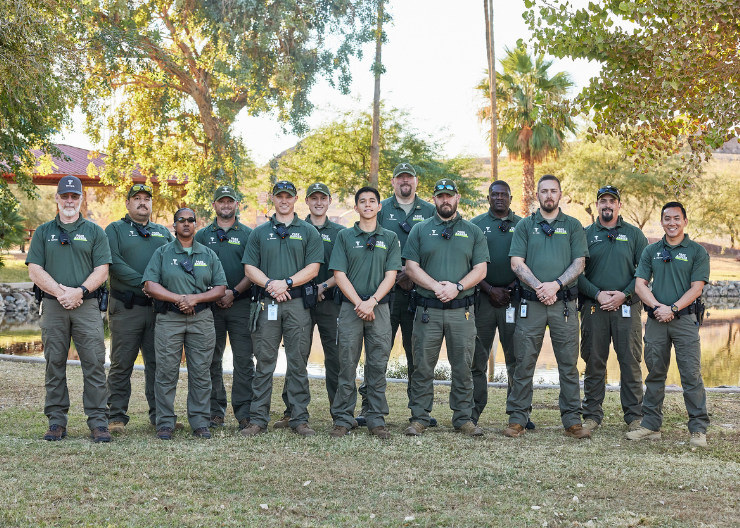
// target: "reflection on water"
[[720, 339]]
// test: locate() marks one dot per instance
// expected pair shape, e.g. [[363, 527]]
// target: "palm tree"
[[532, 120]]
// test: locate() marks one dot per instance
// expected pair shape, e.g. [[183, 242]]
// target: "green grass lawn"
[[14, 270], [440, 479]]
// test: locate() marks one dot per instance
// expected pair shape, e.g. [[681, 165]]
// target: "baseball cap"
[[317, 187], [445, 187], [284, 186], [69, 184], [402, 168], [608, 189], [223, 192], [137, 188]]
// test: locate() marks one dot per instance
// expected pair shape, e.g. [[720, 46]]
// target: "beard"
[[549, 207], [449, 210], [607, 215], [405, 190], [69, 212], [226, 214]]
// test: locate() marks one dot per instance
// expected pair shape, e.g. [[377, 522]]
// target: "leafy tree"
[[338, 154], [531, 121], [39, 82], [12, 229], [585, 166], [712, 203], [181, 72], [668, 73]]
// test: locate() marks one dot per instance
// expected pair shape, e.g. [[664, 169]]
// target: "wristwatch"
[[325, 286], [85, 291], [289, 282], [674, 309], [460, 287], [559, 283], [235, 292]]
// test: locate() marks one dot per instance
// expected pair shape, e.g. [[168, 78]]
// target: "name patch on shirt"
[[157, 234], [325, 237], [234, 241], [200, 263], [461, 234], [380, 244], [682, 256], [296, 236], [80, 237], [622, 238], [418, 218], [561, 231]]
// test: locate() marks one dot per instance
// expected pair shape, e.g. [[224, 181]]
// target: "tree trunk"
[[528, 195], [491, 53], [377, 67]]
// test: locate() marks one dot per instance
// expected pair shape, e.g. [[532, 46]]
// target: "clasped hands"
[[446, 291], [186, 304], [71, 298], [610, 300], [278, 290]]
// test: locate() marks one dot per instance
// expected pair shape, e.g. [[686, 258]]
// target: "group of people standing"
[[406, 263]]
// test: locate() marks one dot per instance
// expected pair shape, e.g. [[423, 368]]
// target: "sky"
[[434, 58]]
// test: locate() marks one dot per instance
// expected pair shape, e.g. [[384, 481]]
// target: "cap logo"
[[317, 186]]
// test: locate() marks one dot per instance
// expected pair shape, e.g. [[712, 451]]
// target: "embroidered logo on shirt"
[[390, 216], [157, 234], [234, 241], [80, 237], [200, 263], [682, 256], [461, 234], [296, 236], [325, 237], [174, 262], [536, 230], [622, 238], [418, 218], [561, 231], [380, 244], [434, 233], [131, 233]]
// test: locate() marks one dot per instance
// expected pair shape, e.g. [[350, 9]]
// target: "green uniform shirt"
[[131, 253], [672, 279], [442, 259], [281, 258], [611, 264], [69, 264], [549, 256], [230, 251], [165, 269], [328, 232], [366, 268], [391, 215], [499, 268]]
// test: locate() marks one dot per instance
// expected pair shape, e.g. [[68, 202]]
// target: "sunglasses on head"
[[608, 189], [284, 187], [182, 220], [141, 187], [444, 187]]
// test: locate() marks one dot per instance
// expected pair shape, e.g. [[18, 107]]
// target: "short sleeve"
[[101, 249], [252, 251], [36, 249], [393, 260], [314, 247], [519, 240], [645, 267], [480, 247], [200, 236], [700, 270], [338, 261], [412, 249], [578, 244], [153, 271]]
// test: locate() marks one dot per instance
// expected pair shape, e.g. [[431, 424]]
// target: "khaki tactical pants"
[[194, 332], [376, 335], [85, 326], [528, 336], [232, 321], [131, 331], [683, 334], [293, 327], [599, 329], [459, 334]]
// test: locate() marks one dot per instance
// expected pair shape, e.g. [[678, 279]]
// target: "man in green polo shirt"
[[548, 253], [68, 261], [446, 257], [399, 213], [283, 255], [495, 310], [679, 269], [227, 237], [133, 240], [610, 312], [365, 262], [184, 277]]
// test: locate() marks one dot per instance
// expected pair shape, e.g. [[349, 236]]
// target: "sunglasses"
[[445, 187], [182, 220], [283, 187], [141, 187], [607, 190]]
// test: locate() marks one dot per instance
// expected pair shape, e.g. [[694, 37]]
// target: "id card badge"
[[523, 310], [510, 314], [272, 312], [626, 310]]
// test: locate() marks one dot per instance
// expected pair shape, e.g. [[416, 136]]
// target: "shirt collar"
[[439, 221], [683, 243], [294, 221], [321, 227], [509, 216], [357, 231], [538, 216], [397, 205], [197, 248], [70, 227], [128, 217], [235, 226]]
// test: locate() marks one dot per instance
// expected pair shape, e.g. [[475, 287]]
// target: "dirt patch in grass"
[[440, 479]]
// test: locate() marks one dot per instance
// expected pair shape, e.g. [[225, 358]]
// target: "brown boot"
[[338, 431], [514, 430], [282, 423], [415, 429], [304, 430], [179, 426], [471, 429], [253, 430], [244, 423], [577, 431], [116, 427], [100, 434], [381, 432], [55, 432], [216, 421]]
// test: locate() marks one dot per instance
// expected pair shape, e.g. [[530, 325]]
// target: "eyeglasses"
[[141, 187], [284, 187], [444, 187], [182, 220]]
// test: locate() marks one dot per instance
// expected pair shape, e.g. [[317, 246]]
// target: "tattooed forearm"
[[524, 273], [573, 271]]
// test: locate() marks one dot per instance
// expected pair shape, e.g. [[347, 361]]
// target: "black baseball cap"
[[608, 189], [69, 184]]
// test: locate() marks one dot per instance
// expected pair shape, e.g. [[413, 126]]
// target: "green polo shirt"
[[499, 268], [611, 264], [328, 232], [672, 279], [391, 215], [131, 252], [230, 251], [549, 256], [69, 264], [278, 258], [366, 268], [165, 269], [441, 259]]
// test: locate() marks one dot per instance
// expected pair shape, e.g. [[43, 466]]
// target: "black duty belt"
[[569, 295], [344, 298], [294, 293], [198, 308], [686, 311], [138, 301], [329, 293], [89, 295], [452, 305], [633, 300]]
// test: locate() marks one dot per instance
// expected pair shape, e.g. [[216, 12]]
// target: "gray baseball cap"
[[404, 168]]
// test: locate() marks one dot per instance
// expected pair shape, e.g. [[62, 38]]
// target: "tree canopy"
[[173, 76], [668, 81], [338, 154]]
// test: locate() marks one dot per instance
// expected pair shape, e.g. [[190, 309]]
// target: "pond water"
[[720, 339]]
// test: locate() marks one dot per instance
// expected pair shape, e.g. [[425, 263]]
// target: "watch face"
[[459, 287]]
